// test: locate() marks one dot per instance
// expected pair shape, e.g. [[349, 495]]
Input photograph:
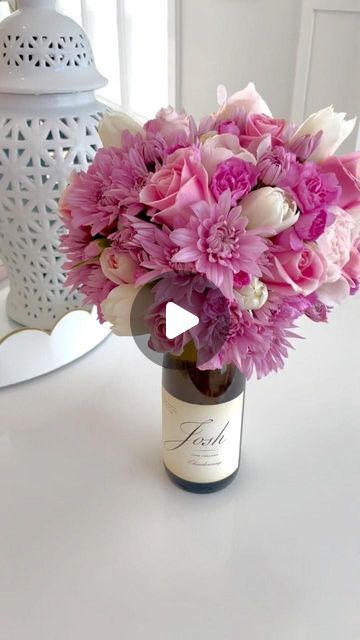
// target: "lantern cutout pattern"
[[48, 126]]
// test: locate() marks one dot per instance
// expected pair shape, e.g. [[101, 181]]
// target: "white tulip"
[[334, 129], [112, 125], [117, 310], [269, 207], [253, 296]]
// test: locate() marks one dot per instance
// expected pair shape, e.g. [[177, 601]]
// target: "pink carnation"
[[313, 190], [234, 174]]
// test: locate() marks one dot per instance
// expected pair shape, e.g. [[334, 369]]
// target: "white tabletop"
[[97, 544]]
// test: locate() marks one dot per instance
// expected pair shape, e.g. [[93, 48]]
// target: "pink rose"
[[347, 170], [258, 125], [118, 267], [218, 148], [175, 128], [181, 182], [293, 272], [233, 110]]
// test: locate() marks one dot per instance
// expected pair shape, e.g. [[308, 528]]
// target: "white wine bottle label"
[[201, 443]]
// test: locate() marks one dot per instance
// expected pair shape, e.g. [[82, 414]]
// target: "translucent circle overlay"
[[192, 292]]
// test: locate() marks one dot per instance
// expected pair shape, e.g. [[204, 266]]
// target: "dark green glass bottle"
[[202, 423]]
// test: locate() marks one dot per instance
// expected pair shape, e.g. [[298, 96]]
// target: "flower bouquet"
[[246, 220]]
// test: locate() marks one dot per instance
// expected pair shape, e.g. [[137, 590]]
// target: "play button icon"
[[177, 310], [178, 320]]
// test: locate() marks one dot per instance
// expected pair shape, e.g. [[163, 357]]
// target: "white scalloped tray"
[[28, 353]]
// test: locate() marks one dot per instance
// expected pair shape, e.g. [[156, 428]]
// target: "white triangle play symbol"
[[178, 320]]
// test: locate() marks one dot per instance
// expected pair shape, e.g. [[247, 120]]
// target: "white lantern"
[[48, 119]]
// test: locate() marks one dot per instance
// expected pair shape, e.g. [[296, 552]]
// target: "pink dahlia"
[[158, 251], [92, 283], [149, 146], [252, 342], [317, 311], [97, 198], [79, 245], [216, 240]]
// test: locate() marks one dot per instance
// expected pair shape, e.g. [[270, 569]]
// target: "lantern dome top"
[[43, 51]]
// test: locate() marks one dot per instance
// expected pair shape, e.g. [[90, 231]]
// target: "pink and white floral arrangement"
[[256, 208]]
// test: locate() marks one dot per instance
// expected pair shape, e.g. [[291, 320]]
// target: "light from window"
[[130, 44]]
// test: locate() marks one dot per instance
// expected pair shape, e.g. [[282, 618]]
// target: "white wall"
[[234, 41]]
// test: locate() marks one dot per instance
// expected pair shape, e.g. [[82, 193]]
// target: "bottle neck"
[[183, 379]]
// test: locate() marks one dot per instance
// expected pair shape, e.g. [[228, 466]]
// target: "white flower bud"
[[269, 207], [253, 296], [112, 125]]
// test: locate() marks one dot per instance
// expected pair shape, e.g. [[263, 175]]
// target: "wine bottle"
[[202, 423]]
